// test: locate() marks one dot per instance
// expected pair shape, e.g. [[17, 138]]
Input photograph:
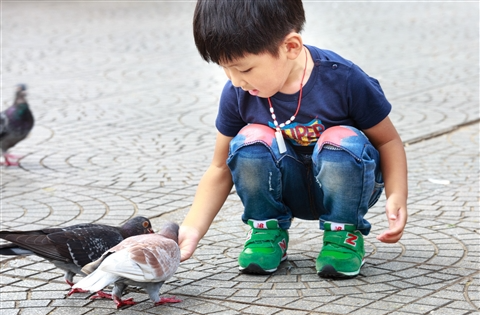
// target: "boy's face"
[[261, 75]]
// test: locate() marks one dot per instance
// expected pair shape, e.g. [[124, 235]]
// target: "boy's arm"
[[212, 192], [394, 169]]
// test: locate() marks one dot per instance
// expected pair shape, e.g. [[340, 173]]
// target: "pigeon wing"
[[144, 258], [51, 230], [79, 244], [84, 245]]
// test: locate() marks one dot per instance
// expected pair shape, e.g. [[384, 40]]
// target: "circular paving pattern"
[[125, 111]]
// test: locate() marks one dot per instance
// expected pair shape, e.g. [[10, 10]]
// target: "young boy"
[[302, 133]]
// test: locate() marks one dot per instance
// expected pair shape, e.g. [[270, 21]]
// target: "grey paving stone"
[[336, 309], [34, 303], [71, 311], [37, 311], [260, 310], [120, 132], [365, 311], [292, 312], [5, 305], [42, 295], [14, 296]]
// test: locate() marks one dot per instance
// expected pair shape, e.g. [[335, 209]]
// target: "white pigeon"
[[145, 261]]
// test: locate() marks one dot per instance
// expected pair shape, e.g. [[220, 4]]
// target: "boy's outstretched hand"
[[396, 211], [188, 238]]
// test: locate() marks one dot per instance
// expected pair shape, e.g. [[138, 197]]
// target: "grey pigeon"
[[70, 248], [144, 261], [16, 122]]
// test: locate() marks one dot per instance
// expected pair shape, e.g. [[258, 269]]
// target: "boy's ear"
[[293, 45]]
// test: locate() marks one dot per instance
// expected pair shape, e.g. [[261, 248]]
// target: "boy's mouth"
[[253, 92]]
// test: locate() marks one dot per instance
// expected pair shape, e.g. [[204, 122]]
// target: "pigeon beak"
[[150, 231]]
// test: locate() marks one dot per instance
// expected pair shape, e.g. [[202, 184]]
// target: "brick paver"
[[124, 110]]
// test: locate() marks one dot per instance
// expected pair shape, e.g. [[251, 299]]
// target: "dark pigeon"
[[16, 122], [144, 261], [70, 248]]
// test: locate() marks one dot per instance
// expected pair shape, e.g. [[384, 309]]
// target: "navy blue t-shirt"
[[338, 92]]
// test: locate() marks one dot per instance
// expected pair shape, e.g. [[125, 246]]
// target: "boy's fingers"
[[386, 237], [185, 253], [392, 235], [396, 224], [184, 256], [394, 232]]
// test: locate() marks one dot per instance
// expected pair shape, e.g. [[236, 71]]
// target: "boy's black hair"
[[225, 30]]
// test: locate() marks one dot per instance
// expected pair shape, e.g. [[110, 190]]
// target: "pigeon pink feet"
[[118, 301], [72, 291], [121, 303], [101, 295], [8, 162], [166, 300]]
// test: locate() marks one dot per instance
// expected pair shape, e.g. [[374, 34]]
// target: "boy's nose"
[[235, 78], [236, 81]]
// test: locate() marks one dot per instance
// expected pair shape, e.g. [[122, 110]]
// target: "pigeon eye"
[[145, 224]]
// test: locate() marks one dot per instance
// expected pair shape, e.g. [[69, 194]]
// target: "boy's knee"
[[257, 133], [255, 141], [347, 139], [253, 138], [336, 135]]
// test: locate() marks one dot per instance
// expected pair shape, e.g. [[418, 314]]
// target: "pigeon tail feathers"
[[15, 251], [96, 281]]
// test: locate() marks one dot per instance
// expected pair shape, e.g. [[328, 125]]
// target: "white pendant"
[[280, 142]]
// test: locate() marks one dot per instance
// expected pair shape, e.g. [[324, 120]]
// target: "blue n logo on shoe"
[[351, 239]]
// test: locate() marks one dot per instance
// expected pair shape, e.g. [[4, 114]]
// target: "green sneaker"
[[342, 252], [264, 249]]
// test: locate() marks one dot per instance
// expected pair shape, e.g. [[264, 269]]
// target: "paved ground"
[[124, 111]]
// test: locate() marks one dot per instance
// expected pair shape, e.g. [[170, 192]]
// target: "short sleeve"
[[229, 121], [367, 103]]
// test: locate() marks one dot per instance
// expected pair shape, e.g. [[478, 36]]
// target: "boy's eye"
[[245, 71]]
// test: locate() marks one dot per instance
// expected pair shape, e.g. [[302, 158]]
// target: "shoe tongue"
[[266, 225], [333, 226]]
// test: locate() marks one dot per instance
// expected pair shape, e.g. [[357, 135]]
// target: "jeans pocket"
[[377, 192]]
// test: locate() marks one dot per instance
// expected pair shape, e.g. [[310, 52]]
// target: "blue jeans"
[[338, 183]]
